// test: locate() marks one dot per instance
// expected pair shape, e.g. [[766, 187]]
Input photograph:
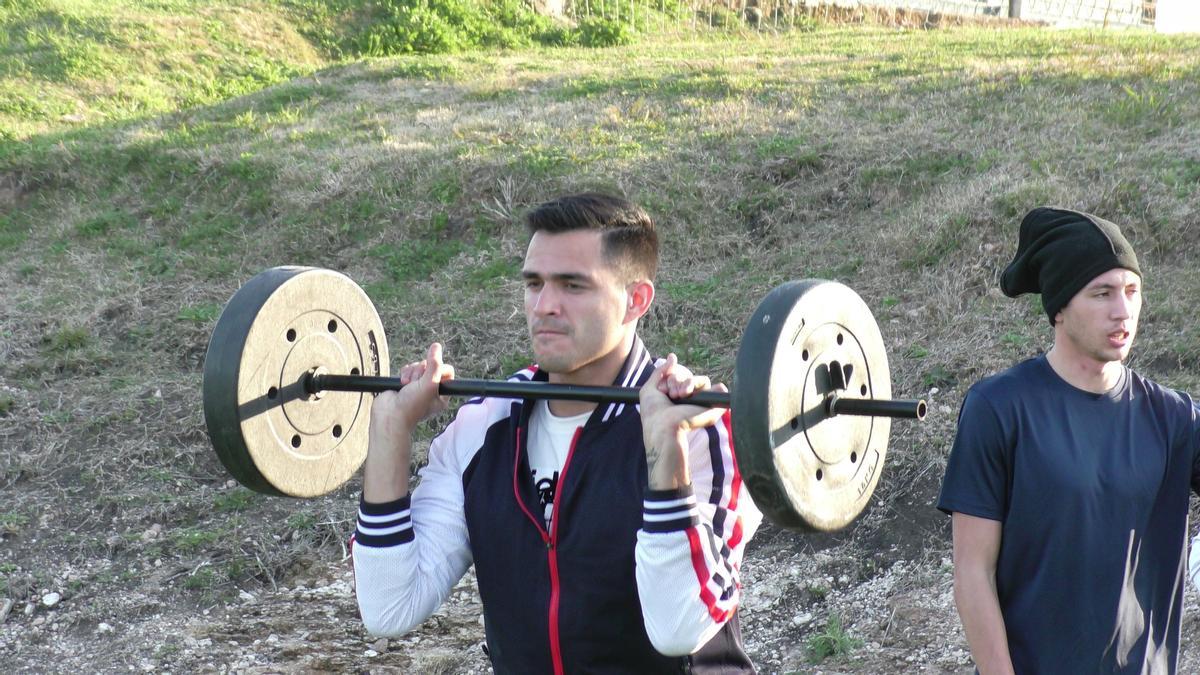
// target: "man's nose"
[[546, 301], [1123, 307]]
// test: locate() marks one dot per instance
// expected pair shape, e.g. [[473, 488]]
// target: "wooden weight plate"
[[805, 469], [281, 325]]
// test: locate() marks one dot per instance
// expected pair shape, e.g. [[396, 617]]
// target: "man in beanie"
[[1069, 478]]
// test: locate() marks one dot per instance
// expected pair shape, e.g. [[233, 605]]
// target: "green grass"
[[67, 63], [12, 521], [831, 642]]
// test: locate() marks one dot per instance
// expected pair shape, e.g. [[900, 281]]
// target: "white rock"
[[380, 645], [802, 619], [104, 628], [51, 599], [245, 597]]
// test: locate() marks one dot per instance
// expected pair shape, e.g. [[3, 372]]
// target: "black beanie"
[[1060, 251]]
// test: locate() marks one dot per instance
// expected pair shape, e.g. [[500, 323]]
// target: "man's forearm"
[[979, 609], [666, 465], [386, 471]]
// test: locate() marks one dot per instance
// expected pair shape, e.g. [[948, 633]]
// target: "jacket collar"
[[634, 372]]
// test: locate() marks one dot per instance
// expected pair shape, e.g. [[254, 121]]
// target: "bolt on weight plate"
[[268, 431], [805, 469]]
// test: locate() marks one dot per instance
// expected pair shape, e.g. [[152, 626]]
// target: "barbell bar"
[[296, 350], [315, 383]]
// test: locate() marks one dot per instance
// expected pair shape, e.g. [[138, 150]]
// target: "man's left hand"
[[665, 424]]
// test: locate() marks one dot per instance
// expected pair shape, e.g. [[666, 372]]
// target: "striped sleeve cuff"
[[669, 510], [381, 525]]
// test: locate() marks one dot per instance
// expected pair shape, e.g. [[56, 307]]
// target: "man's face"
[[1100, 322], [575, 304]]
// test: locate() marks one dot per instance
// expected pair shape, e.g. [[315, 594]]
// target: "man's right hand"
[[400, 411], [394, 416]]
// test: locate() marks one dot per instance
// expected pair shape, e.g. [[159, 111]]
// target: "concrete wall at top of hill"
[[1064, 13], [1177, 16]]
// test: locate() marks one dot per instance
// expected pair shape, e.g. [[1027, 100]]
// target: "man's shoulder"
[[486, 410], [1013, 381], [1159, 393]]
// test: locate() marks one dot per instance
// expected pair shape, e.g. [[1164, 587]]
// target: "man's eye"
[[532, 283]]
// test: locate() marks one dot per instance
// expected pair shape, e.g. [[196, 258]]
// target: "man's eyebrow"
[[558, 276], [1112, 287]]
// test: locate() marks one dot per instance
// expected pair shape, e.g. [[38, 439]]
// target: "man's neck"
[[1083, 372], [599, 373]]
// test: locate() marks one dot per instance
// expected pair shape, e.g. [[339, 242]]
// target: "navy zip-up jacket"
[[623, 577]]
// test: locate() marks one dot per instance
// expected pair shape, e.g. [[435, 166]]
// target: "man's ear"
[[640, 296]]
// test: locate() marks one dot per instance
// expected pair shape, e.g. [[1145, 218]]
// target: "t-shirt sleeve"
[[977, 473], [1194, 431]]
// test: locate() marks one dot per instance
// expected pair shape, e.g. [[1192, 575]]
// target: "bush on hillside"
[[597, 32], [443, 26]]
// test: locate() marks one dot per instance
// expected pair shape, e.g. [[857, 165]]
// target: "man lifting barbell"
[[604, 537], [592, 552]]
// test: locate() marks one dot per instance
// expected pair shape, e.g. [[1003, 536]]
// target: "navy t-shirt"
[[1092, 491]]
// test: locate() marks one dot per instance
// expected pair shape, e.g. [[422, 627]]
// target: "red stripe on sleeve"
[[710, 601], [736, 537], [735, 484]]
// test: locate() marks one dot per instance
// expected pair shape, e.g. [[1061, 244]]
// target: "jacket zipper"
[[551, 541], [552, 552]]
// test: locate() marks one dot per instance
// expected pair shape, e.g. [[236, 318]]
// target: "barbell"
[[296, 350]]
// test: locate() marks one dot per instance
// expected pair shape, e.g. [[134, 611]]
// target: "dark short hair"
[[628, 239]]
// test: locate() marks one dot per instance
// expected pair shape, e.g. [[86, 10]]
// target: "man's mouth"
[[548, 332], [1118, 338]]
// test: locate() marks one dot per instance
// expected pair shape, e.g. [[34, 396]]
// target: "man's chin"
[[1113, 355], [551, 364]]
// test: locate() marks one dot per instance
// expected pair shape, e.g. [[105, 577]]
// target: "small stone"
[[380, 645], [934, 391], [51, 599], [29, 609], [370, 653], [104, 628], [6, 606], [246, 597], [39, 621]]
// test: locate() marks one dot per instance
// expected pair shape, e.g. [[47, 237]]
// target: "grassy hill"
[[154, 156]]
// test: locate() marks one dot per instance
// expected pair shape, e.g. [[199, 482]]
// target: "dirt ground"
[[888, 578]]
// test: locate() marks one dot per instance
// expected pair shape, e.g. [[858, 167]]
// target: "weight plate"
[[282, 325], [805, 469]]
